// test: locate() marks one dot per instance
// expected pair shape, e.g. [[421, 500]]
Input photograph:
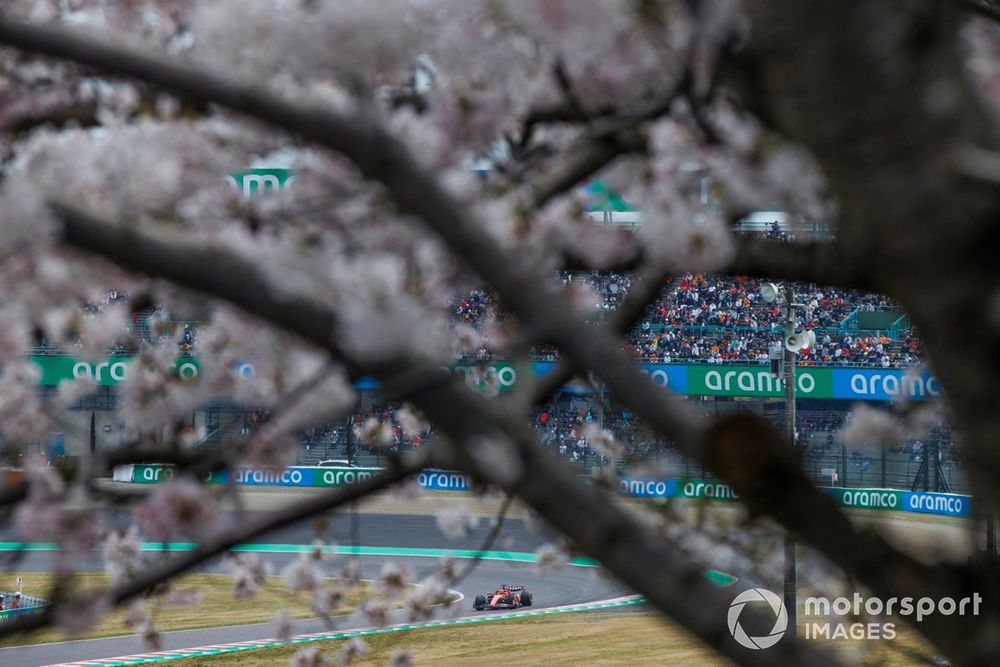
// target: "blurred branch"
[[582, 161], [619, 136], [78, 112], [647, 287], [977, 163], [196, 463], [597, 150], [564, 112], [983, 8], [491, 538], [395, 472]]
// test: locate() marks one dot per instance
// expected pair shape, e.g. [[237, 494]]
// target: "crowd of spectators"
[[715, 319], [560, 424], [697, 318], [147, 324], [362, 437]]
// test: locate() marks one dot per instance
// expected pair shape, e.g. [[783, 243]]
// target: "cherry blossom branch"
[[487, 543], [373, 151], [103, 462], [79, 112], [892, 168], [394, 473], [602, 146], [594, 522], [382, 158], [597, 150], [647, 287], [551, 319], [564, 112]]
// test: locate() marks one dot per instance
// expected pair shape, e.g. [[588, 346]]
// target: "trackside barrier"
[[27, 604], [123, 473], [221, 649], [822, 382], [946, 504], [8, 615]]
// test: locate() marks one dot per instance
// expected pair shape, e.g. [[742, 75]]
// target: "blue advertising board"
[[443, 480], [884, 384], [671, 376], [648, 487], [949, 504], [295, 476]]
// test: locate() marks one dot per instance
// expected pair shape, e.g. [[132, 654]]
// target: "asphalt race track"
[[567, 586]]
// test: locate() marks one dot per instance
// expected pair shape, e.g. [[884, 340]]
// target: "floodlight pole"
[[789, 372]]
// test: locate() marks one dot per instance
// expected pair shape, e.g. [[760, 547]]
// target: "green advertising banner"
[[294, 476], [810, 381], [869, 499], [153, 473], [251, 181], [696, 488], [107, 372], [845, 383], [946, 504], [497, 375]]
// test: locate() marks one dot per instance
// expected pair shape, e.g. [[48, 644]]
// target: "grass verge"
[[585, 639], [217, 606], [598, 638]]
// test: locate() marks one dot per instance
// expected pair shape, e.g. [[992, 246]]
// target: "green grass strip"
[[348, 634]]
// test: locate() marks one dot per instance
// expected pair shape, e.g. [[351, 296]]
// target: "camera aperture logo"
[[780, 622]]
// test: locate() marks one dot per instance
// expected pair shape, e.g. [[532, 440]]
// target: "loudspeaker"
[[769, 292], [800, 341], [796, 342]]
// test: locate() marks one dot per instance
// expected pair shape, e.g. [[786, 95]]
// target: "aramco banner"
[[718, 380], [854, 384], [947, 504], [105, 372], [252, 181]]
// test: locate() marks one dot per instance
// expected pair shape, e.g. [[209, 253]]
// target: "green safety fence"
[[9, 615]]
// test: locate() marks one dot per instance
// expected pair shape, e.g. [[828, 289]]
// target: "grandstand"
[[697, 319], [720, 320]]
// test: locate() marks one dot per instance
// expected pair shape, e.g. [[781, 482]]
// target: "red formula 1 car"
[[505, 597]]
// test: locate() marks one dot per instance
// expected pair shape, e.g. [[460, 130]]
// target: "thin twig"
[[646, 288], [487, 543], [230, 538]]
